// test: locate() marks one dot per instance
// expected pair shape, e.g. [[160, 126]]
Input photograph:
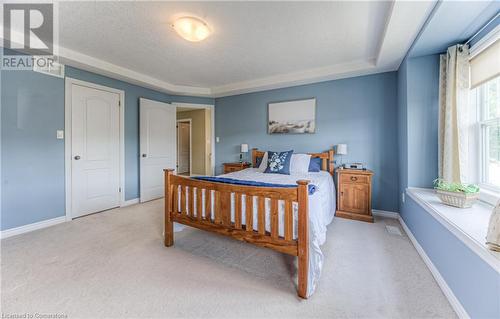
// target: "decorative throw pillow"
[[278, 162], [315, 164], [299, 163]]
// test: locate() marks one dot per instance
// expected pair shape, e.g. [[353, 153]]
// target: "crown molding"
[[88, 63], [333, 72], [92, 64]]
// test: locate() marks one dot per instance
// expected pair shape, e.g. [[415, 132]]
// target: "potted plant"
[[456, 194]]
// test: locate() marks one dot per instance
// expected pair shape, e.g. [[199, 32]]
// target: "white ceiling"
[[254, 45]]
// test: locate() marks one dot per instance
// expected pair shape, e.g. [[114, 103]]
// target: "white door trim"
[[212, 115], [190, 144], [67, 138]]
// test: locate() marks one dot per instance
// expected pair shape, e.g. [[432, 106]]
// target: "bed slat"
[[262, 216], [274, 219], [176, 199], [217, 218], [198, 203], [288, 220], [225, 207], [183, 200], [208, 205], [237, 210], [191, 201], [249, 213]]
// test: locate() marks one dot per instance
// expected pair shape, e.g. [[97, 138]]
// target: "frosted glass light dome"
[[191, 29]]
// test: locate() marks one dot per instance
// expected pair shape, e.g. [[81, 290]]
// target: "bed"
[[262, 209]]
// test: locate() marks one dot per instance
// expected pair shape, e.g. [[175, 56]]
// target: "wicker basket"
[[461, 200]]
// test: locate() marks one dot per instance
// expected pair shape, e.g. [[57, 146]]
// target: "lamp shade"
[[341, 149], [244, 148]]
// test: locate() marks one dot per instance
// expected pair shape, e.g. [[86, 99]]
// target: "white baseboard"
[[47, 223], [452, 299], [130, 202], [31, 227], [385, 213]]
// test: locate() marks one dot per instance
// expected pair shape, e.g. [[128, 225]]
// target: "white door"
[[95, 150], [157, 146], [183, 147]]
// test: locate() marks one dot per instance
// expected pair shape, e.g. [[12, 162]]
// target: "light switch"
[[60, 134], [217, 139]]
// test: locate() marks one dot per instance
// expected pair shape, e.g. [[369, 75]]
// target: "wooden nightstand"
[[234, 167], [354, 194]]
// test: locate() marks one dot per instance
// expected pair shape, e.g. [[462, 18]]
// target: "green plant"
[[443, 185]]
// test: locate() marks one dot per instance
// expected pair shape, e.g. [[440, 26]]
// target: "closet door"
[[95, 148]]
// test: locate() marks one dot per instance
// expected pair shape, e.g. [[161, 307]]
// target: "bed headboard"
[[326, 159]]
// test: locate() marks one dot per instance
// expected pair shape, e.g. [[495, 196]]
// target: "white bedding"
[[321, 211]]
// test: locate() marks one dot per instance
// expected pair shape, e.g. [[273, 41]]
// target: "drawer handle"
[[354, 178]]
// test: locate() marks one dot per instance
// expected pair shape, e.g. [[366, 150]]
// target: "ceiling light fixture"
[[191, 28]]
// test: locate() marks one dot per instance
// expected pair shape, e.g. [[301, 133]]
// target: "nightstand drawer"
[[354, 178], [230, 169], [234, 167]]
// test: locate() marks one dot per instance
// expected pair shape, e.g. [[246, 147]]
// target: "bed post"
[[169, 225], [303, 238], [331, 163]]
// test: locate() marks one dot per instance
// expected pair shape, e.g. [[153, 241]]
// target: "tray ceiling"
[[254, 45]]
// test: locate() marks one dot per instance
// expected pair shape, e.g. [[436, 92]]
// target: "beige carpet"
[[114, 264]]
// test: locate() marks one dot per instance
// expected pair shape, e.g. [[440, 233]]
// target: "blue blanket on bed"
[[311, 188]]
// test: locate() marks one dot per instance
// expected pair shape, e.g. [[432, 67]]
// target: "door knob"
[[77, 157], [144, 155]]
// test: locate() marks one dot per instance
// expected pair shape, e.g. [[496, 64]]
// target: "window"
[[488, 95]]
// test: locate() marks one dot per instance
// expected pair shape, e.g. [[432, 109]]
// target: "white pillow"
[[263, 164], [299, 163]]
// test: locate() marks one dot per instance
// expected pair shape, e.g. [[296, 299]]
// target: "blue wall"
[[475, 283], [33, 159], [360, 112], [422, 120], [418, 104], [402, 129]]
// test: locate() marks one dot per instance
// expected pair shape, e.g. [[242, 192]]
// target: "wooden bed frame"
[[189, 189]]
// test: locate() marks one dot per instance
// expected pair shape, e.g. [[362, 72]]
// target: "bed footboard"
[[189, 202]]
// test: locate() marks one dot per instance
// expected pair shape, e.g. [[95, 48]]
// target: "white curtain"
[[453, 114]]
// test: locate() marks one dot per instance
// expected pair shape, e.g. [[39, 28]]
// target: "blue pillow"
[[278, 162], [315, 164]]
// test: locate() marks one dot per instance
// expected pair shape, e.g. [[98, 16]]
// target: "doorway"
[[194, 140], [184, 145], [93, 148]]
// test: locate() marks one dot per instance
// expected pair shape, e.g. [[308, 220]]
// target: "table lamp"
[[244, 149], [341, 150]]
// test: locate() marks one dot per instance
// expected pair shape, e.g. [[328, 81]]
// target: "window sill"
[[470, 225]]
